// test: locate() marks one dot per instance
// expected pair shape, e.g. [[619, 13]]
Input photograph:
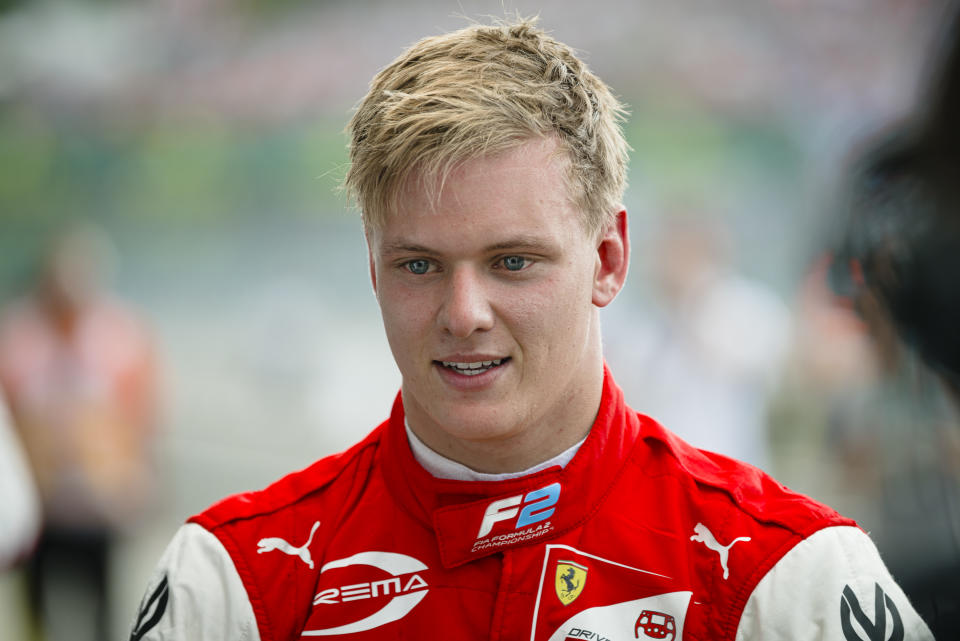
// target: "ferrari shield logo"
[[571, 577]]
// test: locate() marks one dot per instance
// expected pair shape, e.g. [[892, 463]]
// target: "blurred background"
[[195, 147]]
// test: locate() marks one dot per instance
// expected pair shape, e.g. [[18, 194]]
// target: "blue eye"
[[419, 266], [514, 263]]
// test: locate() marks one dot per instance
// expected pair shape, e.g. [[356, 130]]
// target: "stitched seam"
[[249, 585]]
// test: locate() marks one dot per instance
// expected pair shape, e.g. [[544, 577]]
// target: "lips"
[[472, 367]]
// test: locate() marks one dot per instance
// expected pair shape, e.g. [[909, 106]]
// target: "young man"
[[511, 494]]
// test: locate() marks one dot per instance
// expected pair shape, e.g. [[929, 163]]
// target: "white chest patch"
[[637, 619]]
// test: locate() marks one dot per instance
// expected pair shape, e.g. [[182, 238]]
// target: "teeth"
[[472, 369]]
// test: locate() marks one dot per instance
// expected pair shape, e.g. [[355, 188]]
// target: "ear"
[[613, 260], [368, 235]]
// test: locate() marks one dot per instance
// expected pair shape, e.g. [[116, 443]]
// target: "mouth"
[[474, 368]]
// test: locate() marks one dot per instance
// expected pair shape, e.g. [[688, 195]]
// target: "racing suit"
[[639, 536]]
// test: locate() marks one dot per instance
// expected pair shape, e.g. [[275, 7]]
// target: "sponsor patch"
[[857, 624], [532, 511], [578, 633], [370, 590], [395, 587], [271, 543], [584, 596], [702, 534], [656, 625], [570, 579]]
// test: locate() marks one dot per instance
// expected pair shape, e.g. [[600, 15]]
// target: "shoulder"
[[195, 593], [262, 549], [736, 521], [783, 565], [119, 328], [715, 482], [831, 585]]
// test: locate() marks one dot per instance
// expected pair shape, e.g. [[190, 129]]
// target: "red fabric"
[[397, 554]]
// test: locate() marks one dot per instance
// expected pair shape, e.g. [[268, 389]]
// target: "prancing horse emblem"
[[271, 543], [570, 580], [705, 536]]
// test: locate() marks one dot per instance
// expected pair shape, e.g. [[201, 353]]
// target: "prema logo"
[[537, 506], [369, 590], [407, 591]]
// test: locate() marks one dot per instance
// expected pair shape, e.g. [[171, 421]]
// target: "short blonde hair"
[[482, 90]]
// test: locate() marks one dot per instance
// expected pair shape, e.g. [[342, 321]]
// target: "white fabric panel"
[[205, 596], [826, 588], [19, 501]]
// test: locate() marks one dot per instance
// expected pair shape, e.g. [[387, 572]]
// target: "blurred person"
[[898, 264], [706, 358], [76, 368], [898, 257], [19, 503], [511, 493], [898, 261]]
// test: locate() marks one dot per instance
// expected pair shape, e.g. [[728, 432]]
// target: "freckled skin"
[[499, 267]]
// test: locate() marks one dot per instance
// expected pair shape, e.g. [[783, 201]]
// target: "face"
[[489, 297]]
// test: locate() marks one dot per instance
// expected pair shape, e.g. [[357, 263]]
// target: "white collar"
[[443, 468]]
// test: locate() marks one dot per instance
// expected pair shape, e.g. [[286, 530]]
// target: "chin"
[[476, 423]]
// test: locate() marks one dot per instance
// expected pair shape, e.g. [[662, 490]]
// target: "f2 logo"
[[876, 630], [537, 506]]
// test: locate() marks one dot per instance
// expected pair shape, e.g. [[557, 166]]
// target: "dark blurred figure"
[[900, 254], [77, 371], [899, 262]]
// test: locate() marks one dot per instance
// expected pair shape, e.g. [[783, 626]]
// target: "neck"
[[443, 468]]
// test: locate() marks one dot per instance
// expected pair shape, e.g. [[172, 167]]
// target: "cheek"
[[405, 316], [553, 315]]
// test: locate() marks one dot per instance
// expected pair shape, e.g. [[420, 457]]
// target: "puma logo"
[[705, 536], [271, 543]]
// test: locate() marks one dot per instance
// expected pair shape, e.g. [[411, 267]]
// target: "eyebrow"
[[523, 241], [402, 247]]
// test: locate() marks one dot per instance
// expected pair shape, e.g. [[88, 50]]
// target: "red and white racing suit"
[[639, 536]]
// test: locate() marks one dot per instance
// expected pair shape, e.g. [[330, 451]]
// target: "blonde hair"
[[477, 91]]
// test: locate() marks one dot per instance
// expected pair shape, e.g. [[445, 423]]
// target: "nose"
[[466, 306]]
